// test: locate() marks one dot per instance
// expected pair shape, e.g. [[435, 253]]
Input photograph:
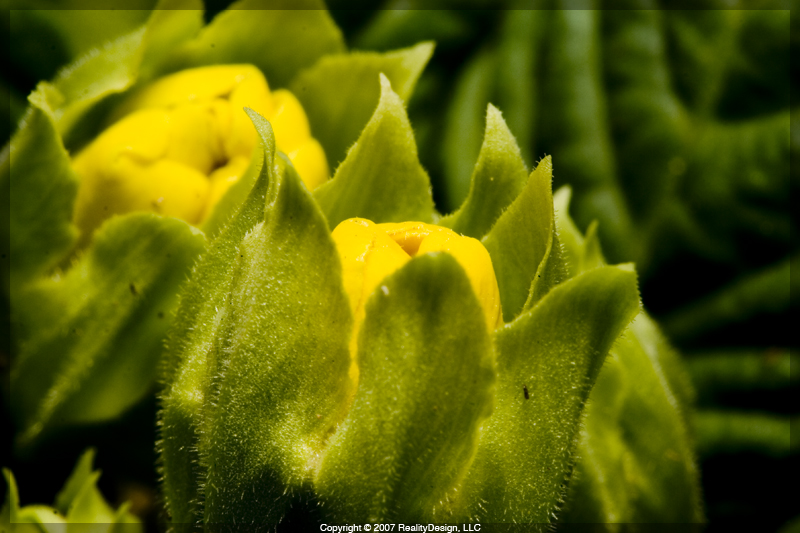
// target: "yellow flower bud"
[[369, 252], [177, 145]]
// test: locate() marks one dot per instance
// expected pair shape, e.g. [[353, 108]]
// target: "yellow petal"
[[477, 263], [368, 255], [143, 135], [194, 139], [192, 85], [194, 119], [289, 121], [253, 92], [165, 187], [310, 162], [222, 179]]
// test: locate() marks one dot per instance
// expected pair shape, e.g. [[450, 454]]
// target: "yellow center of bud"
[[369, 252], [182, 141]]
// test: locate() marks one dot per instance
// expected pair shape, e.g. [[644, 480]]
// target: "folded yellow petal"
[[370, 252]]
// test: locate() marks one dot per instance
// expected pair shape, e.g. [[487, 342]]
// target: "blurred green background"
[[675, 129]]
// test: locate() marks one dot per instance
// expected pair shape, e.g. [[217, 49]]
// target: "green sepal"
[[516, 82], [381, 179], [637, 460], [526, 254], [117, 66], [425, 385], [41, 182], [45, 38], [233, 199], [42, 188], [547, 361], [503, 72], [89, 340], [260, 392], [569, 235], [189, 343], [280, 37], [339, 93], [636, 454], [497, 179]]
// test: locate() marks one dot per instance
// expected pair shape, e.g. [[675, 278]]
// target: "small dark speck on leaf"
[[133, 289], [525, 391], [161, 314]]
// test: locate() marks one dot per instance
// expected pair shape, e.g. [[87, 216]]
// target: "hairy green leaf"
[[524, 246], [280, 37], [498, 178], [89, 340], [279, 381], [191, 340], [340, 92], [426, 371], [381, 178], [42, 188], [624, 474], [547, 362]]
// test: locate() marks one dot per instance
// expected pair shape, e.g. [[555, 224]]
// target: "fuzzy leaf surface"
[[498, 178], [547, 362], [381, 179], [526, 254], [426, 372], [279, 382], [204, 300], [340, 92], [90, 340]]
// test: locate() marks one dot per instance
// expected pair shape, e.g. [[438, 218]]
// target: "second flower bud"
[[182, 141]]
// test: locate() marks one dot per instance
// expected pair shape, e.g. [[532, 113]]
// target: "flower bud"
[[369, 252], [179, 144]]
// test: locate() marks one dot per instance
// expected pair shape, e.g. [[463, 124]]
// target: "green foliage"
[[79, 502], [259, 412], [676, 131], [280, 37], [339, 92], [381, 178], [93, 312], [448, 422], [89, 340], [397, 454]]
